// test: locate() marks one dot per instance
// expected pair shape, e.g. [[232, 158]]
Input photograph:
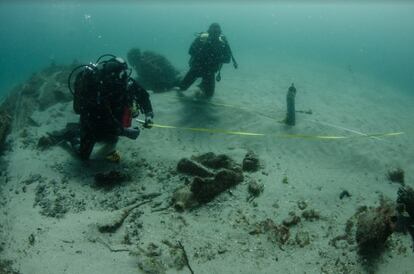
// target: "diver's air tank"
[[290, 101]]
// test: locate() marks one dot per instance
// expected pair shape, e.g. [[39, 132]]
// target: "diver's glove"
[[131, 133], [148, 119]]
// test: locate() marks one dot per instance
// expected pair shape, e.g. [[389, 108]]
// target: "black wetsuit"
[[207, 56], [102, 107]]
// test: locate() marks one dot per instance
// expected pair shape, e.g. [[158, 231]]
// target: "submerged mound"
[[154, 70]]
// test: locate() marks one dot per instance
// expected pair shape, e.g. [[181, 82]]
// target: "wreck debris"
[[205, 190], [117, 218], [214, 161], [254, 189], [251, 162], [185, 257], [311, 215], [374, 226], [183, 198], [406, 197], [193, 168], [277, 233], [206, 184]]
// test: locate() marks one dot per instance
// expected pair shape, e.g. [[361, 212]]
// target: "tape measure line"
[[271, 118], [286, 136]]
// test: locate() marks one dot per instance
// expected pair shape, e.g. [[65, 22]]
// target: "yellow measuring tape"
[[359, 134], [291, 136]]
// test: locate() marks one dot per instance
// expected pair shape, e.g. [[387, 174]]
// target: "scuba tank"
[[96, 72]]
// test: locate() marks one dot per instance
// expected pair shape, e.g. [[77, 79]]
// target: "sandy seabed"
[[51, 207]]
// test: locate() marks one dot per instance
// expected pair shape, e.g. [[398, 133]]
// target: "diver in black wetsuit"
[[104, 96], [209, 51]]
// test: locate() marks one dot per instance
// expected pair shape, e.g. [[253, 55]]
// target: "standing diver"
[[209, 51], [104, 97]]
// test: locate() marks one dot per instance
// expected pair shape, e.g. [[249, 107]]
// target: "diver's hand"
[[148, 120], [131, 133]]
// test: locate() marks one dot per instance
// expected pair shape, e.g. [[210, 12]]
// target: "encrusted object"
[[374, 226], [183, 199], [251, 162], [311, 215], [255, 189], [406, 197], [206, 184], [205, 190], [214, 161], [193, 168]]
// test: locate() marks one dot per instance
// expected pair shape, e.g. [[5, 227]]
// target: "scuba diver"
[[104, 96], [209, 51]]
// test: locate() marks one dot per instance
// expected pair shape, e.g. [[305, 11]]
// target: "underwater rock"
[[110, 179], [205, 190], [406, 197], [193, 168], [44, 89], [254, 189], [154, 70], [396, 175], [214, 161], [374, 226], [251, 162]]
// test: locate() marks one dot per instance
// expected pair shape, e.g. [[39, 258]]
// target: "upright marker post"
[[290, 100]]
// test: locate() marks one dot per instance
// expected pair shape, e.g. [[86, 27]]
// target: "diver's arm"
[[141, 97], [226, 51], [229, 53]]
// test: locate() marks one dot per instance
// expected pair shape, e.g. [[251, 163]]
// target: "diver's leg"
[[208, 84], [109, 147], [87, 142], [188, 79]]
